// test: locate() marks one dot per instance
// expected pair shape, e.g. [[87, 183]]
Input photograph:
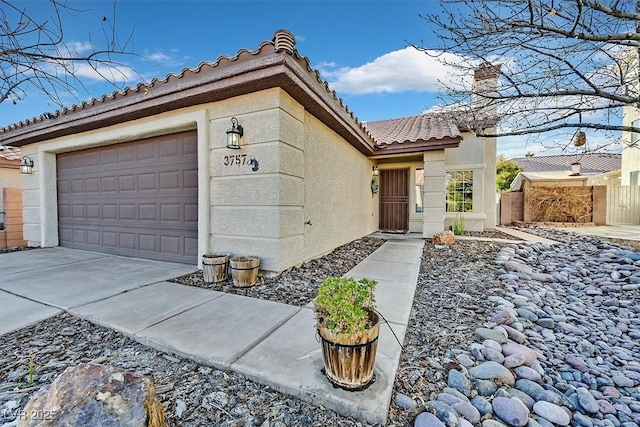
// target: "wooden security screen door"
[[394, 200]]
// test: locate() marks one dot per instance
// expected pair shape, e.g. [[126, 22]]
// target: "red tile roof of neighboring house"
[[10, 153], [590, 163]]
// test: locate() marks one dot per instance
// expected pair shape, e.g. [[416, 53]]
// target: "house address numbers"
[[239, 160]]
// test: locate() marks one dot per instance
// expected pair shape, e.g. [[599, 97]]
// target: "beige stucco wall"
[[259, 212], [630, 146], [631, 116], [338, 203], [478, 155], [305, 173]]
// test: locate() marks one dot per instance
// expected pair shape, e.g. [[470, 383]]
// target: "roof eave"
[[419, 146], [264, 72]]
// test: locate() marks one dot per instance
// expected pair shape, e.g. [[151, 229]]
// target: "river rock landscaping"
[[500, 334]]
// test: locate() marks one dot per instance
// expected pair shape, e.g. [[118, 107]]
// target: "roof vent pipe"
[[284, 40]]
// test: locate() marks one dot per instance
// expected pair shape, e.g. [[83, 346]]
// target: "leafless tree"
[[34, 54], [563, 64]]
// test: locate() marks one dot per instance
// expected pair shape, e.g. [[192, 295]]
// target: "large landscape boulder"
[[444, 238], [95, 395]]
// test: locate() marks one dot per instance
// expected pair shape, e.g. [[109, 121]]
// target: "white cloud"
[[112, 73], [402, 70], [74, 49]]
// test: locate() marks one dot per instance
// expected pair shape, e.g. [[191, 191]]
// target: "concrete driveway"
[[41, 283]]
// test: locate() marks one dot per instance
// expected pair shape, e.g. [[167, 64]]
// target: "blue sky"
[[360, 47]]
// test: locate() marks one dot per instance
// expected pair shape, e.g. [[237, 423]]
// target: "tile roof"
[[10, 153], [424, 127], [245, 72], [590, 163]]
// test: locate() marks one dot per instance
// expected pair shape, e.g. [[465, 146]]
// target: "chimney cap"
[[487, 71]]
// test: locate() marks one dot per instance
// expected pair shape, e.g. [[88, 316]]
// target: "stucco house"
[[631, 117], [146, 172]]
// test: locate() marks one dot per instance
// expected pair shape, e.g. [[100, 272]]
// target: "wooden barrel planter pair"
[[214, 268], [349, 360], [244, 270]]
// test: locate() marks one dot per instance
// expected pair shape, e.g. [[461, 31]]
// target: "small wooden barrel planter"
[[349, 360], [244, 270], [214, 268]]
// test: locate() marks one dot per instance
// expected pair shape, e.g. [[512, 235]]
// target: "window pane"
[[459, 190], [419, 189]]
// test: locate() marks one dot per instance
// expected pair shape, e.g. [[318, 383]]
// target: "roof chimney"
[[485, 86], [284, 40]]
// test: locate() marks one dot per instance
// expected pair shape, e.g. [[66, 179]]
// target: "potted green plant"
[[348, 326]]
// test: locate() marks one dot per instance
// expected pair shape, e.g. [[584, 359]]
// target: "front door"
[[394, 200]]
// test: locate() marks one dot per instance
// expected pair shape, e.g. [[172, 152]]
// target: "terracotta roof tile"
[[10, 153], [424, 127], [591, 163], [282, 41]]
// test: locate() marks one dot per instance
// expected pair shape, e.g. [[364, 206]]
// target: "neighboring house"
[[10, 198], [595, 169], [631, 117], [146, 172]]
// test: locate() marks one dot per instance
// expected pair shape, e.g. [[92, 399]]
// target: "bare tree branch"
[[35, 54], [563, 63]]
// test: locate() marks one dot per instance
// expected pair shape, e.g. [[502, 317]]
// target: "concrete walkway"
[[269, 342]]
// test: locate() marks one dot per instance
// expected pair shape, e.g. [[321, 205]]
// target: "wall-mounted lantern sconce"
[[234, 134], [375, 187], [26, 166]]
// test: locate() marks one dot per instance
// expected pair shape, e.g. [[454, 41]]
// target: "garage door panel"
[[133, 199]]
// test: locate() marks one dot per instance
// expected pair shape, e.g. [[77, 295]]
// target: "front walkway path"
[[269, 342]]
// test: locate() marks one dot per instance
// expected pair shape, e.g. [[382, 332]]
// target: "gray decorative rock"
[[484, 387], [552, 413], [511, 411], [528, 373], [444, 412], [514, 334], [427, 419], [587, 401], [511, 348], [482, 405], [405, 402], [514, 360], [492, 423], [457, 380], [531, 388], [493, 371], [498, 335]]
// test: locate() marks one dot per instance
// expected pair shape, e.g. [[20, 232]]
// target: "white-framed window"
[[419, 189], [459, 191]]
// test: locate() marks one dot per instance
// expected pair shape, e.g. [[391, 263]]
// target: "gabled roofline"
[[273, 64]]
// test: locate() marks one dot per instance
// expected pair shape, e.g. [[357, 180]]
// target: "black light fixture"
[[234, 134], [375, 170], [26, 166]]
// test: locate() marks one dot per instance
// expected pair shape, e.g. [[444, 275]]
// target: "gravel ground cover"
[[459, 290]]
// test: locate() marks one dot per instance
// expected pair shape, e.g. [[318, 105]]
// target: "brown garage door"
[[135, 199]]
